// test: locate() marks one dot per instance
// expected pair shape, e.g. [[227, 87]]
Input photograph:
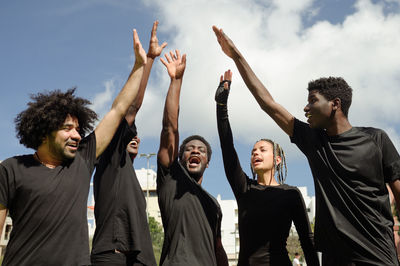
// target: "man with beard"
[[191, 217], [122, 235], [46, 192], [351, 167]]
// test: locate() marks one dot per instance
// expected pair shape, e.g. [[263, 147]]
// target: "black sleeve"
[[303, 136], [115, 151], [390, 159], [6, 187], [236, 177], [303, 229]]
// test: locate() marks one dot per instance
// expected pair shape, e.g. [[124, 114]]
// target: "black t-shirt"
[[266, 213], [48, 208], [191, 218], [350, 170], [120, 206]]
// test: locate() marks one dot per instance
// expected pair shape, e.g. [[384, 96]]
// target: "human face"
[[133, 146], [319, 110], [262, 156], [63, 143], [194, 158]]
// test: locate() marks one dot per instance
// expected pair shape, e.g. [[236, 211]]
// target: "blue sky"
[[46, 45]]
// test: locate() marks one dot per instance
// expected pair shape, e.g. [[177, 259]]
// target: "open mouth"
[[194, 161], [257, 161], [133, 144]]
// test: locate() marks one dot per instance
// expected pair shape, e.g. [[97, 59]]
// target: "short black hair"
[[196, 137], [47, 112], [331, 88]]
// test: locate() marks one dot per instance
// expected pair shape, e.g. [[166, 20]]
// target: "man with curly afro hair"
[[191, 216], [46, 192], [351, 167]]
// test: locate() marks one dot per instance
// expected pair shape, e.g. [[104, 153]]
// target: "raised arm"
[[109, 124], [277, 112], [169, 139], [234, 173], [154, 50]]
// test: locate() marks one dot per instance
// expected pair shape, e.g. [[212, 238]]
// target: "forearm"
[[137, 102], [233, 170], [129, 92], [260, 93], [170, 135]]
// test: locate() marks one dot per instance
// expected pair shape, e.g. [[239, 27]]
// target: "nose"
[[75, 135], [306, 108]]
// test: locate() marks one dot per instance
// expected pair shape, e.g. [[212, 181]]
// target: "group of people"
[[46, 192]]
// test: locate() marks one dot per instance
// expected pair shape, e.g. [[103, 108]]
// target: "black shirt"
[[191, 218], [48, 208], [120, 206], [266, 213], [350, 170]]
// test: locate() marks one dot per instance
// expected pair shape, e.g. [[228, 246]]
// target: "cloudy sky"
[[47, 45]]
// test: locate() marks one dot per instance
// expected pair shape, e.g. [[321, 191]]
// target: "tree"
[[157, 237]]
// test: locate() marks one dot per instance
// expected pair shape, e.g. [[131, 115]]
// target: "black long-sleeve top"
[[265, 212]]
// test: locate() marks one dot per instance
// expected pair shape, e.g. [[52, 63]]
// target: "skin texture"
[[262, 157], [194, 159], [60, 145]]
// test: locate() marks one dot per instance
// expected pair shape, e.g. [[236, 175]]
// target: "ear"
[[336, 104], [278, 160]]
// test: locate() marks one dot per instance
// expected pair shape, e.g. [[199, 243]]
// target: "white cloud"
[[102, 101], [285, 55]]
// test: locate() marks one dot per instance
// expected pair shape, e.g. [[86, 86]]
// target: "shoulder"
[[18, 160]]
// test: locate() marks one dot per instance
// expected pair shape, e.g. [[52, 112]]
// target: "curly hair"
[[196, 137], [278, 168], [47, 112], [331, 88]]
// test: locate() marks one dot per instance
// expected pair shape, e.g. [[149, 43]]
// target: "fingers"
[[221, 79], [163, 45], [163, 61], [135, 38], [228, 75], [178, 55], [154, 29], [184, 59]]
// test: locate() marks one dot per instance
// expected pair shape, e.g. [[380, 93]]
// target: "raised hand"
[[140, 53], [175, 64], [222, 93], [228, 47], [154, 48]]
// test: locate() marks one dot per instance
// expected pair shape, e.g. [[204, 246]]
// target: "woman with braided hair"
[[267, 206]]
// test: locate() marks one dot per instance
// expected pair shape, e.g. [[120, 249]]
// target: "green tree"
[[157, 237]]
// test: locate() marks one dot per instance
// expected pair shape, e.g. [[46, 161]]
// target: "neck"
[[46, 158], [338, 126], [266, 178]]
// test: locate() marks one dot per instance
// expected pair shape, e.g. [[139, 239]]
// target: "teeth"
[[308, 115]]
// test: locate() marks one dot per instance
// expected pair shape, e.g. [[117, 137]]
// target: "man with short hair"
[[122, 235], [191, 217], [46, 192], [350, 166]]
